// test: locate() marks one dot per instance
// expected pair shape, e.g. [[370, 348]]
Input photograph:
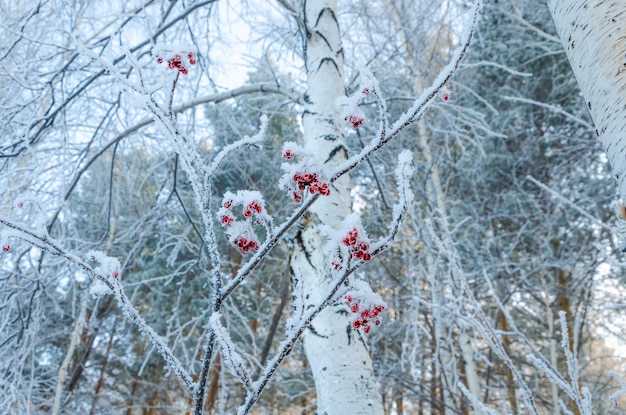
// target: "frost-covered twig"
[[233, 360], [579, 395]]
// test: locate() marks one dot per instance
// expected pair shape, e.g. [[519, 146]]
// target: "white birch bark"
[[593, 33], [339, 359]]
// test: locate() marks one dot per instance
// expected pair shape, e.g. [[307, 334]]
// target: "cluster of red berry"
[[359, 248], [246, 244], [177, 62], [312, 181], [303, 173], [227, 219], [355, 121], [364, 316]]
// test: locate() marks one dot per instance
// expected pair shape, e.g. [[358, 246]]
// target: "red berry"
[[20, 204], [192, 61], [366, 257], [287, 155], [184, 70], [159, 60], [366, 91], [356, 324], [297, 197], [367, 329], [354, 307], [6, 248], [347, 241], [227, 220], [115, 274], [324, 190], [377, 322], [247, 213], [348, 298], [228, 204]]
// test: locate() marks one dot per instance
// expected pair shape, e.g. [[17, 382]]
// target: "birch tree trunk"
[[593, 33], [341, 365]]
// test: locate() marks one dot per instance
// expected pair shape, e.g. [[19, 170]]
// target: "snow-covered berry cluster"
[[365, 306], [176, 58], [352, 236], [359, 244], [304, 173], [240, 230], [351, 111], [109, 266]]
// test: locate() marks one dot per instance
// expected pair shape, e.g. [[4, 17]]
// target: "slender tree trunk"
[[339, 359], [503, 325], [100, 383], [592, 32]]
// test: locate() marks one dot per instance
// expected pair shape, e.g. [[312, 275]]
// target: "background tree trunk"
[[592, 32]]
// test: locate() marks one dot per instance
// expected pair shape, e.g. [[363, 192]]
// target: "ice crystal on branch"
[[305, 173], [239, 223], [365, 306]]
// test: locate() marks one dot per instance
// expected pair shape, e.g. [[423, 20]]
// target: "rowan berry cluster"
[[240, 231], [302, 174], [355, 121], [176, 61], [310, 180], [359, 245], [351, 111], [364, 315]]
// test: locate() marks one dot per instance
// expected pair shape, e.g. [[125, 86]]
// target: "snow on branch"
[[233, 360], [245, 141]]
